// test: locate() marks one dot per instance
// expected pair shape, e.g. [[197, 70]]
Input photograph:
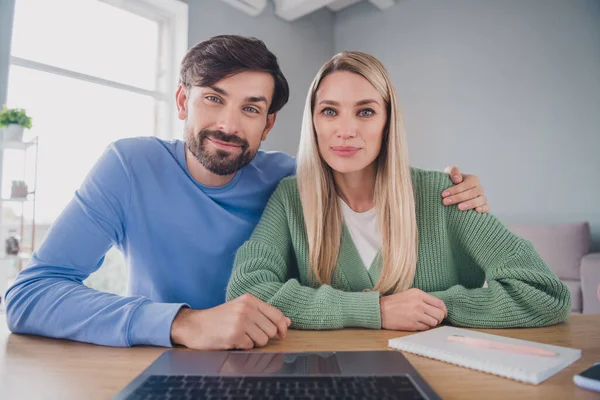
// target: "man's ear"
[[270, 122], [181, 97]]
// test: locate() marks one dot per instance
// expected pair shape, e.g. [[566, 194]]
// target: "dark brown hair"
[[221, 56]]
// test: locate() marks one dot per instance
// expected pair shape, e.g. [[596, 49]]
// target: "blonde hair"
[[394, 198]]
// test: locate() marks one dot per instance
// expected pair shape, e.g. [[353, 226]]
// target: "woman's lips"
[[345, 151]]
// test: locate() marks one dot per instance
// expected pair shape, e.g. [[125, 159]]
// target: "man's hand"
[[467, 192], [413, 310], [243, 323]]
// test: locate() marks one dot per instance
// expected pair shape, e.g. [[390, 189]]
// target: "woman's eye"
[[214, 99], [328, 112], [366, 113], [251, 110]]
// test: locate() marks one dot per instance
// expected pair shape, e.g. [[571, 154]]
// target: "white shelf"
[[25, 146], [21, 256], [16, 200], [16, 145]]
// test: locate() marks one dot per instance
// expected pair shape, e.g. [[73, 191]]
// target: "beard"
[[219, 162]]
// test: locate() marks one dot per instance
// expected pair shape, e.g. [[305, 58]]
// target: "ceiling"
[[291, 10]]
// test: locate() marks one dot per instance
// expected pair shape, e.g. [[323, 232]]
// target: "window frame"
[[172, 18]]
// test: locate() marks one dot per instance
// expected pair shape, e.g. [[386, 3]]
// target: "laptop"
[[188, 374]]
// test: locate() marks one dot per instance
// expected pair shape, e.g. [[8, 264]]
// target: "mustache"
[[224, 137]]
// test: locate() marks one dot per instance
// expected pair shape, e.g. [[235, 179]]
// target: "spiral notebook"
[[521, 367]]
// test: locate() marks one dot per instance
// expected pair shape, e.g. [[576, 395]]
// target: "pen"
[[491, 344]]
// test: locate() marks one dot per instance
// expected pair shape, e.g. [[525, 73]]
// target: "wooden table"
[[35, 367]]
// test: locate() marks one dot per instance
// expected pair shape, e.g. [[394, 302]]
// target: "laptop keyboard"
[[271, 387]]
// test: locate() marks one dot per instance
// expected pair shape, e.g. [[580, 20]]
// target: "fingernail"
[[456, 176], [289, 321], [447, 201], [462, 206], [446, 194]]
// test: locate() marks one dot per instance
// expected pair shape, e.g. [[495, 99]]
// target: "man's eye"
[[366, 112], [328, 112], [251, 110], [214, 99]]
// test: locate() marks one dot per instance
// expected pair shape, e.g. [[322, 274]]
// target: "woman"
[[359, 239]]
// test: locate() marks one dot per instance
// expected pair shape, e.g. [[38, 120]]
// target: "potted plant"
[[14, 121], [18, 190]]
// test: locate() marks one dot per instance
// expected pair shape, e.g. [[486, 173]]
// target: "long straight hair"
[[394, 197]]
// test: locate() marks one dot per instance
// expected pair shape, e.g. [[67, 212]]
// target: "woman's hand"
[[412, 310]]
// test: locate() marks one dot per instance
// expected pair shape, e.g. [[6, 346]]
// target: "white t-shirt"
[[364, 231]]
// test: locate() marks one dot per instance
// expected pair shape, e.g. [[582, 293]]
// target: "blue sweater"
[[179, 239]]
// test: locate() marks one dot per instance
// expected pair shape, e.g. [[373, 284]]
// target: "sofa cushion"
[[575, 289], [561, 246], [590, 283]]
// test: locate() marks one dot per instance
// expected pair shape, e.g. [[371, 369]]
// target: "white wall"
[[301, 46], [509, 90]]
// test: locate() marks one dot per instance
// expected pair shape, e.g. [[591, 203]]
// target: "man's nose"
[[229, 121]]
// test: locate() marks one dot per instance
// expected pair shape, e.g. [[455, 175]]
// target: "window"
[[90, 72]]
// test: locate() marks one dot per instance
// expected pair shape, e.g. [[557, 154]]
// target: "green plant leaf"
[[14, 116]]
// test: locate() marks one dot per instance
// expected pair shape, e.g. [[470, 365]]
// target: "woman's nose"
[[347, 128]]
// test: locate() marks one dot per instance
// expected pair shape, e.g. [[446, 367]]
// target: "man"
[[178, 211]]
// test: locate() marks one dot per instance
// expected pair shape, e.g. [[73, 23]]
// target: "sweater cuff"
[[446, 297], [151, 323], [361, 310]]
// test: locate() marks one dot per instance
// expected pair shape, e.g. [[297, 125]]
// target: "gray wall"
[[509, 90], [7, 8], [301, 46]]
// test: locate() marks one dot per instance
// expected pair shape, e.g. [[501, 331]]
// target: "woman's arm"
[[266, 267], [522, 291]]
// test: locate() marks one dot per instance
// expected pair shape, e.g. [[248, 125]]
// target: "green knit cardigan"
[[457, 252]]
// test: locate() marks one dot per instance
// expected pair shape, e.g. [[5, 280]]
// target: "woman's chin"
[[346, 169]]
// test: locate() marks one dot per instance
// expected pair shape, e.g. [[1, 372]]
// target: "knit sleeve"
[[265, 266], [522, 290]]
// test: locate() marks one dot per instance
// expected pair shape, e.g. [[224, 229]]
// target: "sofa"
[[566, 249]]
